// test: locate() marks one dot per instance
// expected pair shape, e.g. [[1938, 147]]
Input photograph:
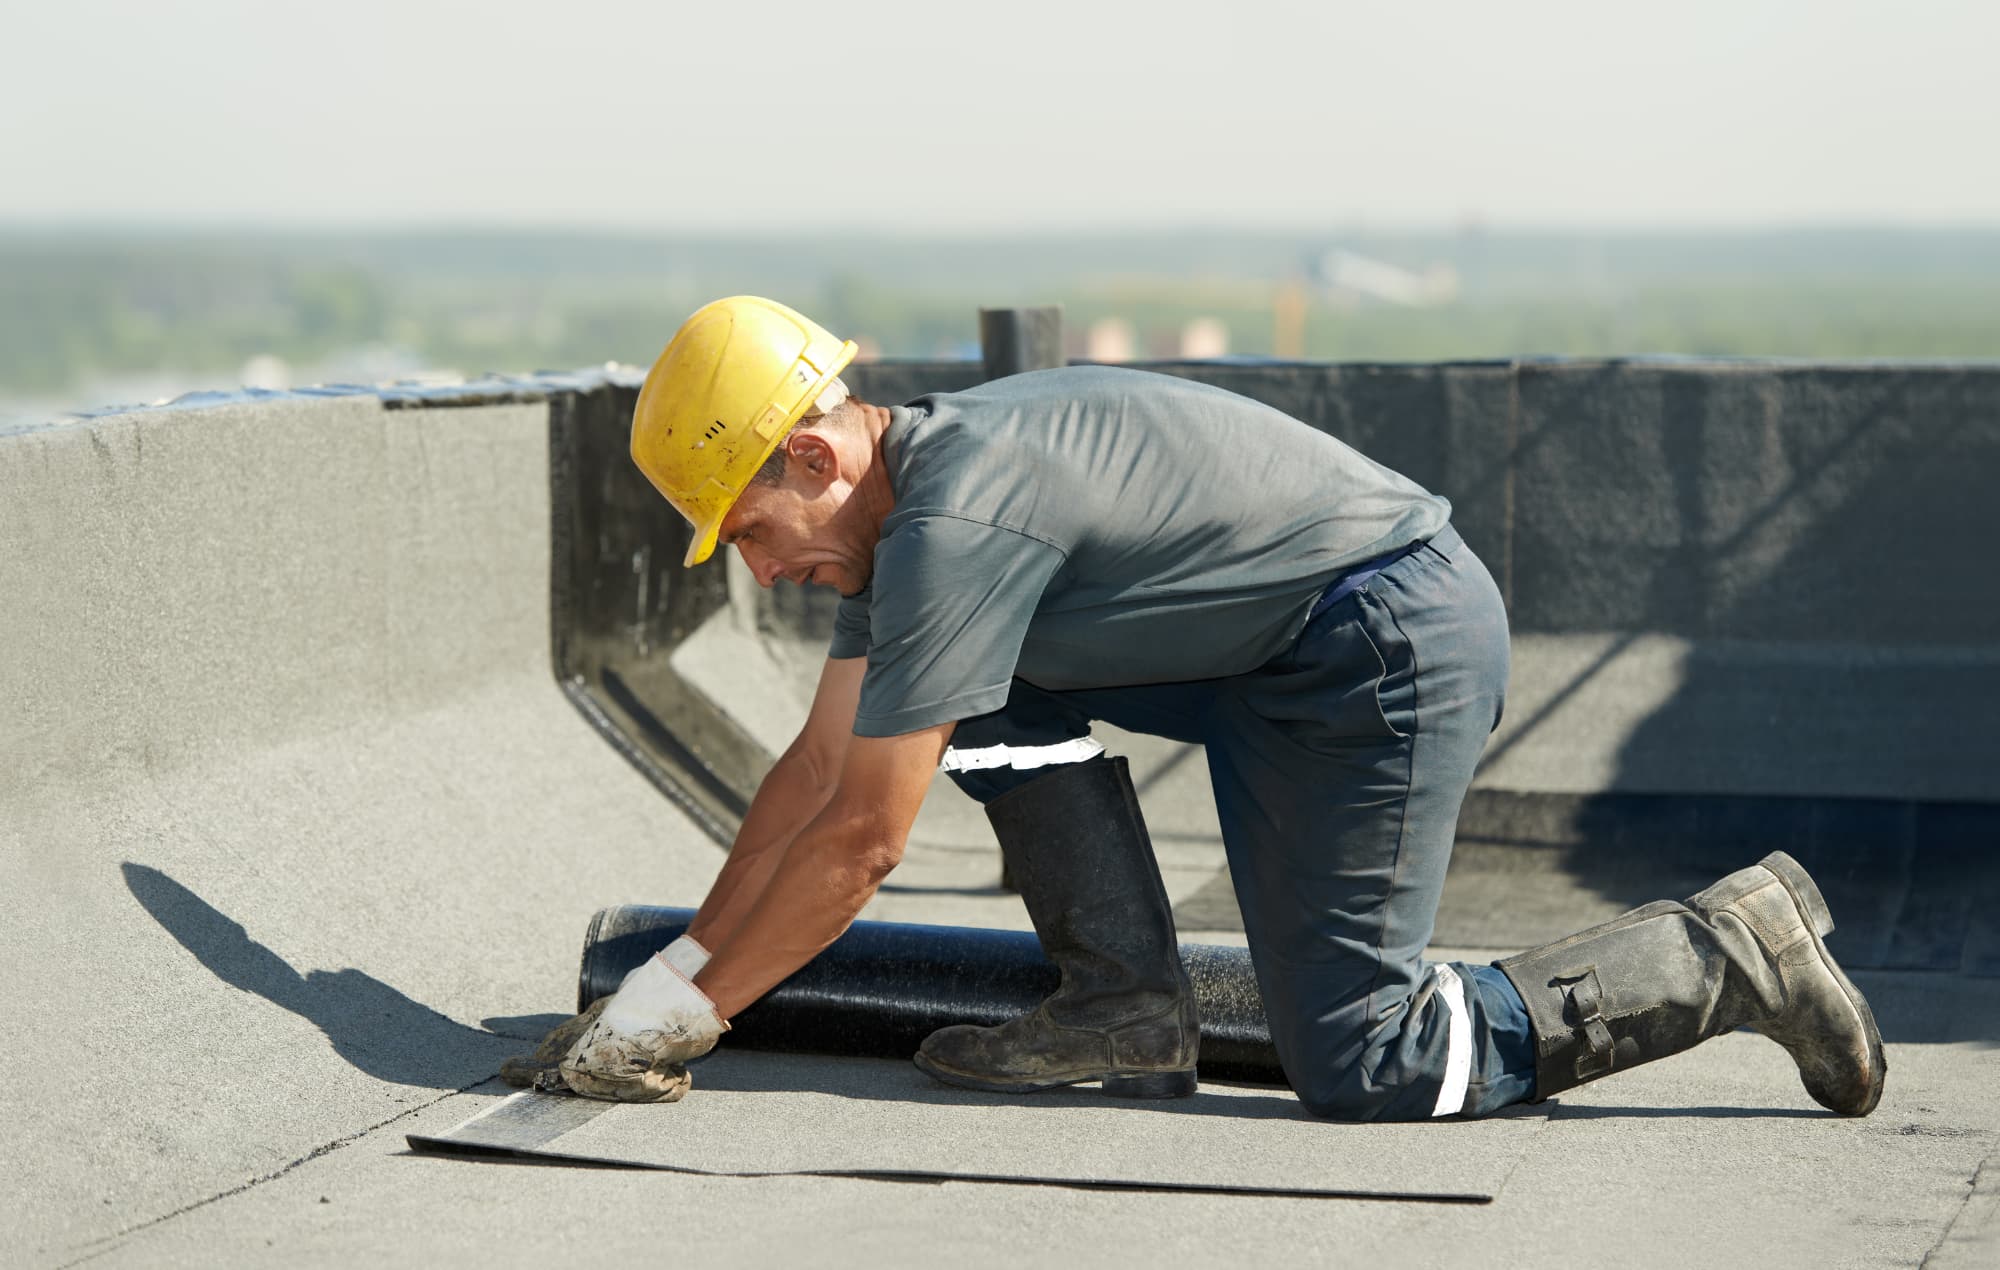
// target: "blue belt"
[[1357, 577]]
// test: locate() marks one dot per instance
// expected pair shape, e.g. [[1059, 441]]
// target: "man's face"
[[795, 530]]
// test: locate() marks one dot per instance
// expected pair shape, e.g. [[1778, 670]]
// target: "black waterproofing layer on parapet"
[[881, 988], [620, 603], [1756, 500], [1808, 505]]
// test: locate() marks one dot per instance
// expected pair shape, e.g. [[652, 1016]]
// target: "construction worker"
[[1091, 543]]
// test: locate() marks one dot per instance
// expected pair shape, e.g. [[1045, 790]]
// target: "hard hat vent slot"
[[714, 428]]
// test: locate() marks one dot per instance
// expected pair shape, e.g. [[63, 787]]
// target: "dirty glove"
[[541, 1069], [656, 1021]]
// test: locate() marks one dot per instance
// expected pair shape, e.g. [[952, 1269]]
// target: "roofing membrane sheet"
[[762, 1115]]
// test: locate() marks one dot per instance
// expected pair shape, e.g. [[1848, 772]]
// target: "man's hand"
[[633, 1052], [543, 1069]]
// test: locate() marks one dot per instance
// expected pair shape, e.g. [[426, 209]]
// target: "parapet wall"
[[275, 707], [1723, 577], [1730, 579]]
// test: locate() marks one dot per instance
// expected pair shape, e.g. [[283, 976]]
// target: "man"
[[1091, 543]]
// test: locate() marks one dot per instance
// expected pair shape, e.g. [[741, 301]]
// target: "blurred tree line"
[[76, 308]]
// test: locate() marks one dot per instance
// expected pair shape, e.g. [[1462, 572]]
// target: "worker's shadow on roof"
[[370, 1024]]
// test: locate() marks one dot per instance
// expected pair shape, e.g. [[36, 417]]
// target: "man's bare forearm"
[[792, 793], [829, 874]]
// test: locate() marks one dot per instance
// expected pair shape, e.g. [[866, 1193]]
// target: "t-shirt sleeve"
[[850, 626], [951, 605]]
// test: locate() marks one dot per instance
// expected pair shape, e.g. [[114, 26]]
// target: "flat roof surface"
[[302, 837]]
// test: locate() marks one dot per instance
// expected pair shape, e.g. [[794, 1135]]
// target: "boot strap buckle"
[[1586, 1006]]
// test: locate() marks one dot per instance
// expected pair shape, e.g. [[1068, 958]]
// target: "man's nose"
[[762, 567]]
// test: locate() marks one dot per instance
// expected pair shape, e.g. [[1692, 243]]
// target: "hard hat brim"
[[703, 544]]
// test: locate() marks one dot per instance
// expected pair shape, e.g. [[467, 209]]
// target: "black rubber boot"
[[1076, 846], [1747, 952]]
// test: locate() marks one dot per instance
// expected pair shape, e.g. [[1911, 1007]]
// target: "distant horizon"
[[1414, 228]]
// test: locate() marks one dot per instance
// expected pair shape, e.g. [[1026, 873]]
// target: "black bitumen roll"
[[881, 988]]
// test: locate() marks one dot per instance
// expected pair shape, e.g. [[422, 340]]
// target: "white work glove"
[[656, 1021], [543, 1068]]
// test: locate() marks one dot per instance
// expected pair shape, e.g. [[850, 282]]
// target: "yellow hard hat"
[[731, 383]]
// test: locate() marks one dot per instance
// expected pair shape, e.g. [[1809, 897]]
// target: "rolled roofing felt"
[[882, 987]]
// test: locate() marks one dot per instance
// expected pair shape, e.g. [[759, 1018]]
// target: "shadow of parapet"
[[1821, 537], [1554, 871], [379, 1030], [1912, 886]]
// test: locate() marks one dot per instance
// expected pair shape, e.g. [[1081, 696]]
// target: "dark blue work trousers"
[[1339, 768]]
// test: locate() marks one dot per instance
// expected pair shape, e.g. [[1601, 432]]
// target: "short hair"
[[834, 407], [773, 471]]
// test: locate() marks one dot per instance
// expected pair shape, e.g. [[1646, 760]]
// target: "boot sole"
[[1170, 1084], [1805, 893]]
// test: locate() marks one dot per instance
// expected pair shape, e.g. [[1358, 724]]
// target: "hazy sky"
[[775, 115]]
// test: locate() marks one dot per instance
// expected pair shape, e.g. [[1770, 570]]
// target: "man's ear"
[[811, 451]]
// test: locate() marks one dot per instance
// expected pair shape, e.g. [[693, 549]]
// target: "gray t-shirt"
[[1093, 527]]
